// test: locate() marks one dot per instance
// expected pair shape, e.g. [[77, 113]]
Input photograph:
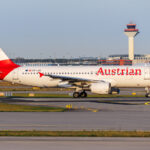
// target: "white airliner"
[[97, 79]]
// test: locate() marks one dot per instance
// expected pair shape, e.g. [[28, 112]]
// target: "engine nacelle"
[[101, 88]]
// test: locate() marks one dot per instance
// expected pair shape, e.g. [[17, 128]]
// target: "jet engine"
[[101, 88]]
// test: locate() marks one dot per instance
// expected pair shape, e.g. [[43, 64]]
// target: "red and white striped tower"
[[131, 32]]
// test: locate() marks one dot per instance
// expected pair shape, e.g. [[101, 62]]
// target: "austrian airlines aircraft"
[[97, 79]]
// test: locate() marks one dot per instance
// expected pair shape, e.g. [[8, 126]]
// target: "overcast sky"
[[72, 28]]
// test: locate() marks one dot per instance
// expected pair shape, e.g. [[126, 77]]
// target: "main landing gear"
[[147, 92], [82, 94]]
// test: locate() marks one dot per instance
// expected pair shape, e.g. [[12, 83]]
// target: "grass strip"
[[4, 107], [77, 133], [113, 96], [41, 95], [68, 96]]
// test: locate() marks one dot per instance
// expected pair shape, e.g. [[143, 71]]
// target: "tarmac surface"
[[73, 143], [87, 114], [123, 91]]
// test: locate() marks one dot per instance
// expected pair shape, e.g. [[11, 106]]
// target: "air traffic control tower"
[[131, 32]]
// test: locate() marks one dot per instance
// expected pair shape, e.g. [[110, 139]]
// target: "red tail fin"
[[6, 65]]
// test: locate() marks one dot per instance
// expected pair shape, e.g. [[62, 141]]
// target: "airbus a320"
[[97, 79]]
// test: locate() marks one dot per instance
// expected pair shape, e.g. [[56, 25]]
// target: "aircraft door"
[[15, 76], [147, 73]]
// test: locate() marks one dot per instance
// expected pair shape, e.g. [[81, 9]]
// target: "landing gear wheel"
[[147, 89], [76, 94], [83, 94], [147, 95]]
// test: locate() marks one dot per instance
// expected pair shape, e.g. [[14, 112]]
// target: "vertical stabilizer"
[[6, 65], [3, 56]]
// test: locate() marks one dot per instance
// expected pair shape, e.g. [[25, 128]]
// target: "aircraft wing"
[[70, 79], [73, 82], [80, 82]]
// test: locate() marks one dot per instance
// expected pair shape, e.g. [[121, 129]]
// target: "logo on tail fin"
[[6, 65]]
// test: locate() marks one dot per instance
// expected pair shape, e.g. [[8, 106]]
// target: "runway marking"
[[70, 107], [147, 103], [93, 110]]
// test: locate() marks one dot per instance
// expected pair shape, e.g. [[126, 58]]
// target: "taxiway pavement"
[[73, 143], [90, 114]]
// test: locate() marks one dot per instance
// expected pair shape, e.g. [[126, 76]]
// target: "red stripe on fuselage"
[[6, 66]]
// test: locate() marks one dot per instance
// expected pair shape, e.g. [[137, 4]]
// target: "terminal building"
[[110, 60], [56, 62], [138, 58]]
